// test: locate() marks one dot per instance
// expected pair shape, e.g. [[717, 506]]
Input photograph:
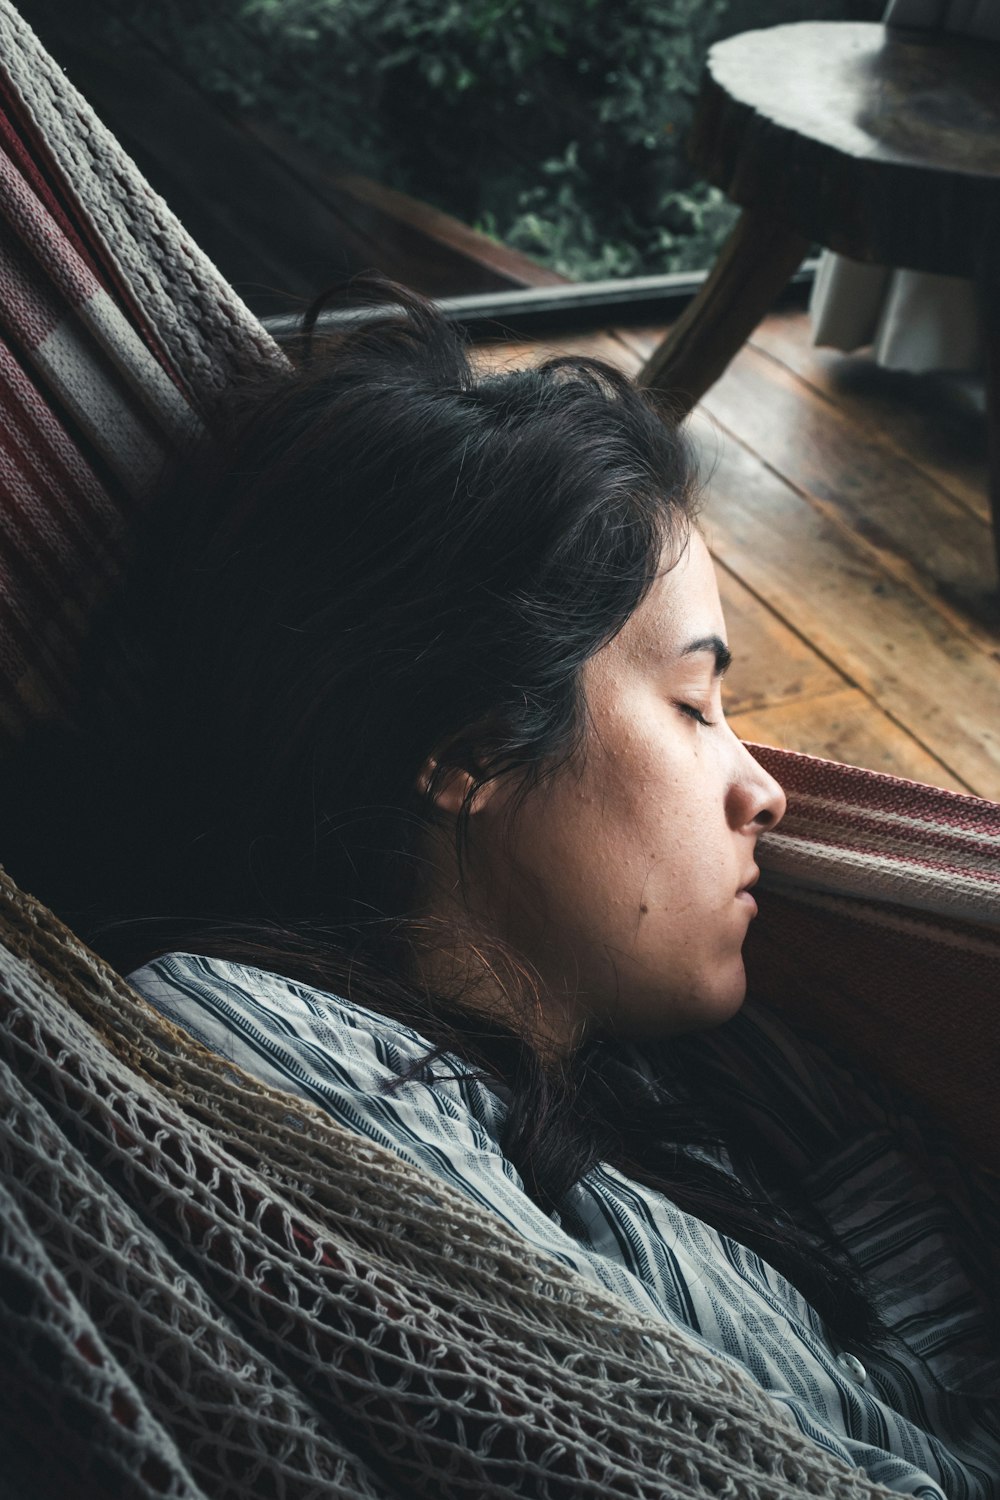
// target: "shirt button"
[[852, 1366]]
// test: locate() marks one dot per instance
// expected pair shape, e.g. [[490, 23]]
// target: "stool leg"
[[754, 264]]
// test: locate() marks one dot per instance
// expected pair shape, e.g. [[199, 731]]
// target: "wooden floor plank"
[[772, 665], [844, 726], [930, 419], [601, 344], [933, 682], [919, 534], [836, 619]]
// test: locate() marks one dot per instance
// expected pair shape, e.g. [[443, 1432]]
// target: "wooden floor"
[[846, 509]]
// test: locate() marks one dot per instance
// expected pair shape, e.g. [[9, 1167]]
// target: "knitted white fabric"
[[118, 340], [166, 283]]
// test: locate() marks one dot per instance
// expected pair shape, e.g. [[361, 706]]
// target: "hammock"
[[208, 1289]]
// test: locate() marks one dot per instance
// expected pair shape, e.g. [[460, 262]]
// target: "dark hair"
[[390, 557], [387, 555]]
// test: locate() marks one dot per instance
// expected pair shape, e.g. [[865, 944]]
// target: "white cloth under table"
[[913, 320]]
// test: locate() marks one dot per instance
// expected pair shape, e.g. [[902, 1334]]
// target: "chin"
[[702, 1006], [724, 1007]]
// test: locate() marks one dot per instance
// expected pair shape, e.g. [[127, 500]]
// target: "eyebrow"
[[715, 644]]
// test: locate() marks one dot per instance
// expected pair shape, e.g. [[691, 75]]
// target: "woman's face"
[[624, 879]]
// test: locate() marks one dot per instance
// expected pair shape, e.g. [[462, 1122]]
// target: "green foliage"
[[556, 125]]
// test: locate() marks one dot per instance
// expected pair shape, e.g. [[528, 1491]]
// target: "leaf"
[[558, 123]]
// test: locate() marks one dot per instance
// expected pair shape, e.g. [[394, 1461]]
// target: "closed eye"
[[695, 713]]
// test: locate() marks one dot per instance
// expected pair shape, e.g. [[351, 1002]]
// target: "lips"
[[743, 894]]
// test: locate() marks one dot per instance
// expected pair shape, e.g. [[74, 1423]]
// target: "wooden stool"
[[880, 143]]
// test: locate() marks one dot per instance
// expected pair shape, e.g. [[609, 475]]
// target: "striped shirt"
[[922, 1417]]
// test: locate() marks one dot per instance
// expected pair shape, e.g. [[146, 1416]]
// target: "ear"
[[453, 788]]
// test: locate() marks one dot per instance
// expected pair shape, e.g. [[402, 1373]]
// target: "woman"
[[432, 815]]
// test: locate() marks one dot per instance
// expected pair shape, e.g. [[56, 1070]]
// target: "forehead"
[[682, 606]]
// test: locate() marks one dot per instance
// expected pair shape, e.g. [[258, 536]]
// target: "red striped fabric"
[[66, 511], [879, 932], [117, 336]]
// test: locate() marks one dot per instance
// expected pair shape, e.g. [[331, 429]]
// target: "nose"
[[773, 801], [757, 801]]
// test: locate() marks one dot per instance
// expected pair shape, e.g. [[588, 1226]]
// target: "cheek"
[[561, 860], [618, 891], [609, 844]]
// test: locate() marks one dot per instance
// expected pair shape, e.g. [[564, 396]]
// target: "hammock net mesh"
[[215, 1290]]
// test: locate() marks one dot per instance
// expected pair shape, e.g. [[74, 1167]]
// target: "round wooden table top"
[[878, 142]]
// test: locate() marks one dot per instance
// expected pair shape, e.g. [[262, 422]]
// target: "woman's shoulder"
[[376, 1076], [219, 999]]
